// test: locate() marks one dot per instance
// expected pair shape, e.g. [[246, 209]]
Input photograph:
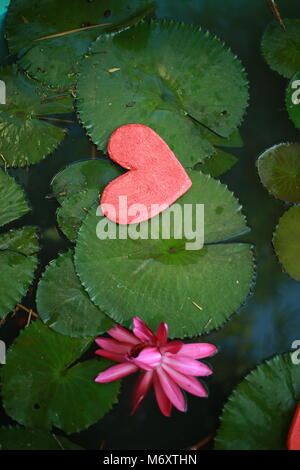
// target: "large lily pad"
[[18, 438], [168, 76], [25, 139], [160, 279], [280, 47], [18, 262], [286, 241], [43, 385], [77, 187], [279, 171], [12, 200], [292, 99], [55, 60], [64, 305], [258, 414]]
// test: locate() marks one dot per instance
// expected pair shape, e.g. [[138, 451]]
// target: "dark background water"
[[270, 320]]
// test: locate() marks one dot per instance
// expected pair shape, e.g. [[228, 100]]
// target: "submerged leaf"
[[279, 171], [280, 47], [12, 200], [172, 77], [286, 241], [55, 60]]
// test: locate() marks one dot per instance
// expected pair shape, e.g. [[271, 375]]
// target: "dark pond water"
[[270, 320]]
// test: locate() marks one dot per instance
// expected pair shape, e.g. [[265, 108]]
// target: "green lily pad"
[[77, 187], [64, 305], [292, 99], [168, 76], [12, 200], [18, 438], [286, 242], [25, 139], [44, 385], [218, 164], [54, 61], [279, 171], [259, 412], [281, 48], [18, 262], [161, 279]]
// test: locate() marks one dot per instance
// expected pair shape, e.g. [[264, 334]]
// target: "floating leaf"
[[55, 61], [18, 262], [259, 412], [160, 279], [25, 139], [279, 171], [64, 305], [12, 200], [292, 99], [17, 438], [280, 47], [43, 385], [77, 187], [286, 241], [170, 77], [218, 164]]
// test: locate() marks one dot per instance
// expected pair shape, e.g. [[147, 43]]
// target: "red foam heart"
[[293, 442], [156, 178]]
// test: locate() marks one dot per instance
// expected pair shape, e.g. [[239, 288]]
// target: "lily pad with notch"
[[19, 438], [44, 385], [168, 76], [160, 278], [259, 412], [64, 305]]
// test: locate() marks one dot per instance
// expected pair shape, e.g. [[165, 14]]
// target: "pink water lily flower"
[[168, 366]]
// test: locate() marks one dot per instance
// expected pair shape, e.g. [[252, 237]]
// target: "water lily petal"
[[186, 365], [120, 333], [110, 355], [113, 345], [188, 383], [142, 331], [163, 401], [141, 389], [148, 359], [162, 333], [198, 350], [172, 347], [171, 389], [116, 372]]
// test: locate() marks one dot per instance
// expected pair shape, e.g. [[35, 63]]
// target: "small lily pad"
[[259, 412], [279, 171], [292, 99], [18, 438], [18, 262], [77, 187], [54, 61], [162, 279], [168, 76], [286, 241], [26, 134], [44, 385], [280, 47], [64, 305], [12, 200], [218, 164]]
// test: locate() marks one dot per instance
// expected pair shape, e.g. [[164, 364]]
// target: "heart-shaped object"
[[155, 181], [293, 442]]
